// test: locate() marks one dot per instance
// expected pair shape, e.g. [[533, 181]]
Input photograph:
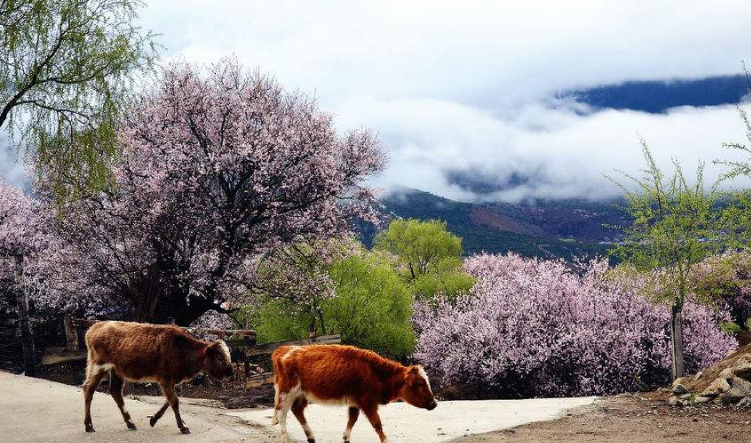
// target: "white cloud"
[[471, 51], [466, 85], [12, 169], [566, 153]]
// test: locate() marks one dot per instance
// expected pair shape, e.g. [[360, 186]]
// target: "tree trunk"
[[676, 338], [24, 326]]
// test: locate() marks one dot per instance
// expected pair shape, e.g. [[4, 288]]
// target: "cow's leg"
[[283, 409], [298, 408], [95, 375], [117, 386], [372, 413], [155, 418], [277, 404], [169, 392], [353, 414], [286, 400]]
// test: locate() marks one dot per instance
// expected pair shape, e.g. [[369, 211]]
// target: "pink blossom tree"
[[726, 278], [24, 238], [539, 328], [220, 170]]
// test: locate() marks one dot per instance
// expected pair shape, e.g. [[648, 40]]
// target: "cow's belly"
[[341, 401]]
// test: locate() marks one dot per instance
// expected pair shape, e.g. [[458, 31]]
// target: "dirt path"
[[34, 410], [407, 424], [631, 420]]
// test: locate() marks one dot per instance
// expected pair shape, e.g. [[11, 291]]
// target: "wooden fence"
[[268, 348], [75, 348], [243, 339]]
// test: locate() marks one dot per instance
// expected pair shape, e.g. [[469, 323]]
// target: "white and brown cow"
[[139, 352], [343, 375]]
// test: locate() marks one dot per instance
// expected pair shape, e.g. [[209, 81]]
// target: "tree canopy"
[[67, 68], [429, 255], [219, 170], [371, 307], [675, 226]]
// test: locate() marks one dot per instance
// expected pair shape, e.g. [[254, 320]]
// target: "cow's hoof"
[[131, 426], [185, 430], [90, 428], [152, 421], [311, 440], [274, 421]]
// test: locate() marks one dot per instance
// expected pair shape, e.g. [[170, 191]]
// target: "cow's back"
[[135, 350], [332, 373]]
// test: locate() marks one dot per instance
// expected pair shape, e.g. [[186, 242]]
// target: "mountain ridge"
[[565, 229]]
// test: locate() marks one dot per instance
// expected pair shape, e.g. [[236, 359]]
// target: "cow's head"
[[217, 362], [416, 390]]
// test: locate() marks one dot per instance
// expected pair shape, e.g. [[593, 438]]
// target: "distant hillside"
[[659, 96], [564, 229]]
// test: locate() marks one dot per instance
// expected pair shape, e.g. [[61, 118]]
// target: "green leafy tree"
[[675, 226], [66, 73], [372, 308], [737, 215], [429, 256], [727, 277]]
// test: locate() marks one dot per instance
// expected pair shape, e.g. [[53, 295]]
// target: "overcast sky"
[[471, 85]]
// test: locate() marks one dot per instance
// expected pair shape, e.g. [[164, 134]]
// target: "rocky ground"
[[728, 382]]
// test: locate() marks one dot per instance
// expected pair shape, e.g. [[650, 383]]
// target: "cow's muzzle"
[[432, 406]]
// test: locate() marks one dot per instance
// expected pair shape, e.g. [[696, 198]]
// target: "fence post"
[[24, 326], [246, 362], [71, 335]]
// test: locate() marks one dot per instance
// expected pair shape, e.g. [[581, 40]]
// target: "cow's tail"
[[276, 361]]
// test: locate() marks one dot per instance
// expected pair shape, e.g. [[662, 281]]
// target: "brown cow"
[[343, 375], [141, 352]]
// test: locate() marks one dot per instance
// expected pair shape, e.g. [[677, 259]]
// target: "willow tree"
[[429, 257], [66, 71], [675, 226]]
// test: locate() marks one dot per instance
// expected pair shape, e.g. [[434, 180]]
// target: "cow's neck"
[[393, 386], [194, 355]]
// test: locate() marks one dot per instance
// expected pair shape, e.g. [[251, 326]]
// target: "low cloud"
[[564, 151], [12, 167], [467, 86]]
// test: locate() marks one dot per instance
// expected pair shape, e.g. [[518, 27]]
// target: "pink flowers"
[[539, 328], [219, 170]]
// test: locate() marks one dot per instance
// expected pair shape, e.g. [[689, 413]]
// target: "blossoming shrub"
[[539, 328]]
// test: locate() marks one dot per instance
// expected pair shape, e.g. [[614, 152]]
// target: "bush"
[[538, 328], [372, 309]]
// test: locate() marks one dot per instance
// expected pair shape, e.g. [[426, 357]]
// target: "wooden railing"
[[245, 339], [75, 349]]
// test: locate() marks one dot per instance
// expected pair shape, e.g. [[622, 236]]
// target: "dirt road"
[[405, 423], [631, 419], [34, 410]]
